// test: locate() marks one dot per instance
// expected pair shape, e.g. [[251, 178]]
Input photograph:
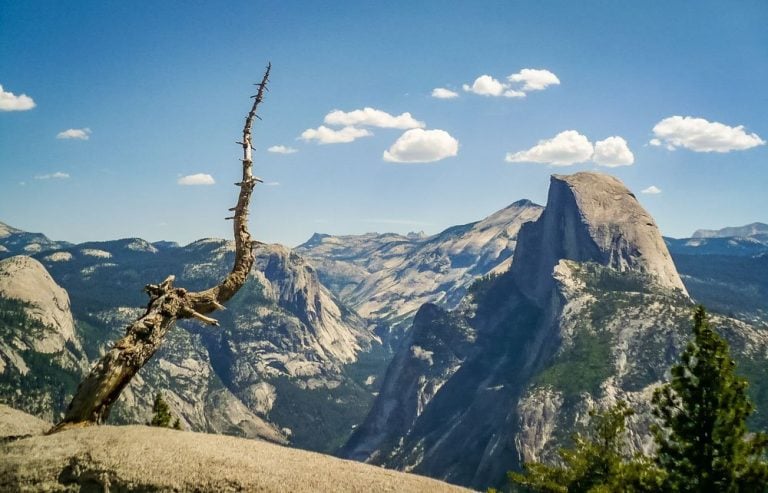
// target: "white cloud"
[[652, 190], [272, 184], [528, 79], [613, 152], [443, 93], [534, 79], [655, 142], [564, 149], [485, 85], [511, 93], [422, 146], [700, 135], [280, 149], [53, 176], [372, 118], [11, 102], [325, 135], [75, 133], [197, 179]]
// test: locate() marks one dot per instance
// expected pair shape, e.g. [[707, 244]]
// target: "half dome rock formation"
[[590, 217]]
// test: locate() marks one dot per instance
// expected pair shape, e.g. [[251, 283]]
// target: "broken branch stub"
[[102, 386]]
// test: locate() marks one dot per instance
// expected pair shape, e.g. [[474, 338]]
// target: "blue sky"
[[160, 92]]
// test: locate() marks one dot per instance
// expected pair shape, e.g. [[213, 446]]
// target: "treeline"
[[701, 436]]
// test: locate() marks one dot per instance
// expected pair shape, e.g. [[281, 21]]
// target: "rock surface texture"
[[140, 458]]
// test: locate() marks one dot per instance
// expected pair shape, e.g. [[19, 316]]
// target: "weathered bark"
[[107, 379]]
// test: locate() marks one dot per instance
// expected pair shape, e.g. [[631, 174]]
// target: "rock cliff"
[[590, 217]]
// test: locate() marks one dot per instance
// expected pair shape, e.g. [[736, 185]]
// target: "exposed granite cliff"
[[590, 217]]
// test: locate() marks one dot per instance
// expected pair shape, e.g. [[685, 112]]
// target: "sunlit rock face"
[[41, 357], [591, 217]]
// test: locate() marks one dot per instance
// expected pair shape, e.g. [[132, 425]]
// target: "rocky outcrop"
[[25, 279], [139, 458], [40, 356], [590, 217], [292, 283], [15, 424]]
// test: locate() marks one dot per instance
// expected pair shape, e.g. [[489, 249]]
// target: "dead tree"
[[107, 379]]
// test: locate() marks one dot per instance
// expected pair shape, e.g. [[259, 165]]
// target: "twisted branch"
[[107, 379]]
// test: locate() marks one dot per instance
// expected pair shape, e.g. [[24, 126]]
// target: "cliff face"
[[40, 355], [435, 347], [590, 217], [25, 279], [591, 311]]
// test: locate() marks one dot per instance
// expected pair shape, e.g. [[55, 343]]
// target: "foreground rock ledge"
[[141, 458]]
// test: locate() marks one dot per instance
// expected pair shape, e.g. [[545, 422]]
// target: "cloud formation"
[[75, 133], [196, 179], [11, 102], [485, 85], [443, 93], [371, 117], [325, 135], [517, 85], [613, 152], [570, 147], [652, 190], [422, 146], [281, 149], [53, 176], [534, 79], [700, 135], [564, 149]]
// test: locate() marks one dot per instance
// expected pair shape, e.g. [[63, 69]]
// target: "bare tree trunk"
[[107, 379]]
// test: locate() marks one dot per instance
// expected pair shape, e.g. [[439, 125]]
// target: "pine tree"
[[703, 442], [161, 413], [596, 462]]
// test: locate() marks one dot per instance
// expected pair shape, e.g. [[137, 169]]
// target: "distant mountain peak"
[[523, 203], [733, 231], [6, 230]]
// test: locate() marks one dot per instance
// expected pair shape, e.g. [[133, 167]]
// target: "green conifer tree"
[[161, 413], [703, 442], [596, 462]]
